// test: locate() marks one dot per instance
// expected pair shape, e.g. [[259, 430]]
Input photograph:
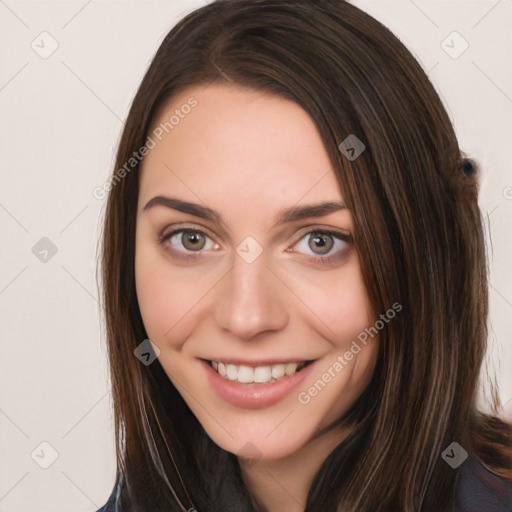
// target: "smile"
[[256, 385], [265, 374]]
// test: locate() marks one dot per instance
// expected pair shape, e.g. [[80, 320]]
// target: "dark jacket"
[[478, 491], [482, 491]]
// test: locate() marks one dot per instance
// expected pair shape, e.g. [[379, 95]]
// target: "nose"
[[252, 300]]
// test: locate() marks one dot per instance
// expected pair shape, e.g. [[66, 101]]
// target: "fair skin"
[[248, 156]]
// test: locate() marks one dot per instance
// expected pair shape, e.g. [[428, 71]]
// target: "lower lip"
[[255, 396]]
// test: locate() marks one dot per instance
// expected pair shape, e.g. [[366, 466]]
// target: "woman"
[[294, 227]]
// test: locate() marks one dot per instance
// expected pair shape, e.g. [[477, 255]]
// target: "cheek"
[[156, 302], [337, 304], [166, 296], [350, 311]]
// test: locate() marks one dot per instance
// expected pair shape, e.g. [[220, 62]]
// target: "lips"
[[256, 395]]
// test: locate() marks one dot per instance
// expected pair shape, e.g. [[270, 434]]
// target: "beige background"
[[61, 119]]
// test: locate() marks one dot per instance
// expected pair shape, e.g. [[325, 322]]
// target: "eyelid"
[[175, 228], [315, 228], [169, 231], [300, 234], [340, 254]]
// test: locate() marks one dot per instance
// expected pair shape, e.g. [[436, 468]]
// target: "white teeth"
[[260, 374], [278, 371], [290, 368], [232, 371], [245, 374]]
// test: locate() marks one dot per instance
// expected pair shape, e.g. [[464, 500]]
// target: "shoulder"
[[479, 489], [109, 506]]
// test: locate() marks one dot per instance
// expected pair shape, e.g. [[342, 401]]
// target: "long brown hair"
[[419, 236]]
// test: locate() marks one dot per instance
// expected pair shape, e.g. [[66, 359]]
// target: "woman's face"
[[237, 263]]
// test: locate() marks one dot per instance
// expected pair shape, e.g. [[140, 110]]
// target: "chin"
[[271, 445]]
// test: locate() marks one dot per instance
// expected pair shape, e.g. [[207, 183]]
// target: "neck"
[[283, 484]]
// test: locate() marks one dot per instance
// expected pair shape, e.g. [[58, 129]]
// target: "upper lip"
[[261, 362]]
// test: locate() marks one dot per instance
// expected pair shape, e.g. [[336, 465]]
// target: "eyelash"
[[194, 255]]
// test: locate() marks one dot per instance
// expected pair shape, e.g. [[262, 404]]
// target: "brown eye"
[[187, 241], [325, 246], [193, 241], [322, 243]]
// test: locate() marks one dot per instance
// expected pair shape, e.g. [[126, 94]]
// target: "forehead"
[[237, 141]]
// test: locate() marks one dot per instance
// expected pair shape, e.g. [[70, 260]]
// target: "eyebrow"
[[295, 213]]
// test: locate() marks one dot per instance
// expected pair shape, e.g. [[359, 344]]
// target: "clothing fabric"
[[478, 491], [482, 491]]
